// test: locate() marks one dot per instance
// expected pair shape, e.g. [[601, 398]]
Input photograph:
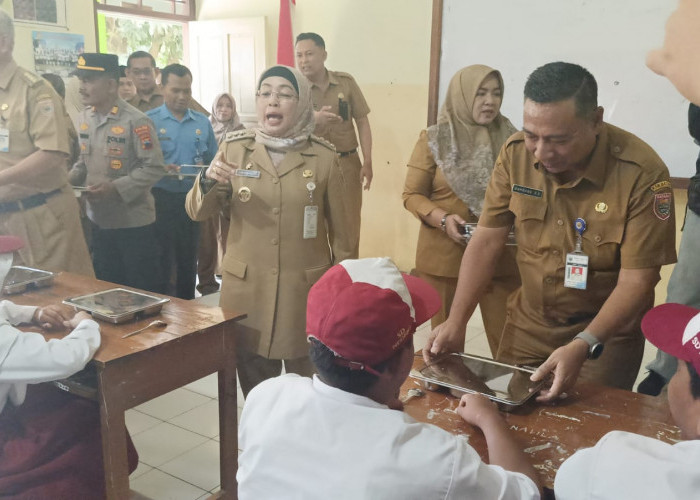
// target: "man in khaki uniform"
[[337, 102], [141, 69], [569, 174], [120, 159], [36, 202]]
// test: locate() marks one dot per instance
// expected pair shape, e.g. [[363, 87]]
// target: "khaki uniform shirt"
[[121, 147], [156, 100], [34, 115], [624, 196], [269, 266], [342, 135]]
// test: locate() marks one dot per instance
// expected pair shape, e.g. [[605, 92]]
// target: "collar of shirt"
[[7, 74], [165, 113], [137, 99], [343, 396], [598, 162]]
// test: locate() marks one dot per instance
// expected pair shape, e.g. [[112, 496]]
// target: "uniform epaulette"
[[29, 77], [237, 135], [323, 142], [343, 74], [519, 136]]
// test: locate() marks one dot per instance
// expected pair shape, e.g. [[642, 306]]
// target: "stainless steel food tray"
[[505, 384], [21, 278], [118, 305]]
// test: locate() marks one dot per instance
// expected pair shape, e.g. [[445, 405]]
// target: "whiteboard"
[[610, 38]]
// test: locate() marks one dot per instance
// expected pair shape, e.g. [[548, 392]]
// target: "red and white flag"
[[285, 36]]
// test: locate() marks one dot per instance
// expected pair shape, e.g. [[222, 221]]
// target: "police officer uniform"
[[41, 210], [625, 198], [121, 148], [272, 258], [344, 92]]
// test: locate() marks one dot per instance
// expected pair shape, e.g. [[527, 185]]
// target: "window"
[[183, 10]]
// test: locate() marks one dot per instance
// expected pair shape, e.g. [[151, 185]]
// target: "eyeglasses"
[[282, 97]]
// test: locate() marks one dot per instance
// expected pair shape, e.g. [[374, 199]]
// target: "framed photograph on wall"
[[56, 52], [51, 12]]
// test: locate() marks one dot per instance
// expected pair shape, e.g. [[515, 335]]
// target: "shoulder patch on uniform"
[[323, 142], [660, 185], [237, 135], [518, 136], [662, 205], [31, 78]]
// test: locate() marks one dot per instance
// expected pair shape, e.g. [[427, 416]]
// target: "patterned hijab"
[[303, 118], [463, 149], [223, 128]]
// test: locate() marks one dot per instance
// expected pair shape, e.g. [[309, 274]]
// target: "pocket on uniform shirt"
[[529, 219], [313, 274], [234, 266], [602, 245]]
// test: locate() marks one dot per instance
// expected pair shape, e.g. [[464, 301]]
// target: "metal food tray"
[[20, 278], [476, 374], [118, 305]]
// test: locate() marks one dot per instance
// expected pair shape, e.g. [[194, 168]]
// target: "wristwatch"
[[595, 347]]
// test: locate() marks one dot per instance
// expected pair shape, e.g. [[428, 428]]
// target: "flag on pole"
[[285, 38]]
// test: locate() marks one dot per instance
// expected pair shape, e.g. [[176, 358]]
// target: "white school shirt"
[[27, 358], [303, 439], [624, 465]]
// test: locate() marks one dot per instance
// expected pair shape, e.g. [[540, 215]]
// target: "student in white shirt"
[[50, 441], [342, 434], [625, 465]]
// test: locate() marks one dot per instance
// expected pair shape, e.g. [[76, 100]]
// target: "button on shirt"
[[34, 117], [341, 135], [625, 197], [120, 147], [189, 141], [303, 436]]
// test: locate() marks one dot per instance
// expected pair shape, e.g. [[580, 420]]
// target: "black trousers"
[[128, 256], [178, 237]]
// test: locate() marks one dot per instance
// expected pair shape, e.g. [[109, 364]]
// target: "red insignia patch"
[[144, 133], [662, 205]]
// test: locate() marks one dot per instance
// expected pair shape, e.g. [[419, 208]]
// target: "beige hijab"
[[304, 122], [463, 149], [223, 128]]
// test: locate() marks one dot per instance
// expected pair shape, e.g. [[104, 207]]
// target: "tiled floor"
[[176, 435]]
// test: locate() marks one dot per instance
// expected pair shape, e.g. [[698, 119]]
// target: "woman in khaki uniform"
[[445, 184], [285, 194]]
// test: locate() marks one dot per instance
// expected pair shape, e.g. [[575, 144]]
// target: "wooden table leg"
[[113, 440], [228, 419]]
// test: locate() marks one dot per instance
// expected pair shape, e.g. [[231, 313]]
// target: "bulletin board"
[[610, 38]]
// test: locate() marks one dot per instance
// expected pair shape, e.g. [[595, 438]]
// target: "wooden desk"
[[197, 341], [550, 434]]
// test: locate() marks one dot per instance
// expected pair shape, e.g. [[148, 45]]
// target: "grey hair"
[[7, 26]]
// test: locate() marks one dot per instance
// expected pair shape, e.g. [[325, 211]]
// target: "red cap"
[[10, 244], [675, 329], [364, 310]]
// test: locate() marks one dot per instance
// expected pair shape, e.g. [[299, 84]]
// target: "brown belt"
[[35, 200], [347, 153]]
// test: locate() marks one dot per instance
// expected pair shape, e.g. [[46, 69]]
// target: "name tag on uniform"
[[4, 140], [310, 221], [255, 174], [576, 272]]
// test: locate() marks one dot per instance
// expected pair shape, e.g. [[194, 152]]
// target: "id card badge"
[[576, 272], [4, 140], [310, 221]]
